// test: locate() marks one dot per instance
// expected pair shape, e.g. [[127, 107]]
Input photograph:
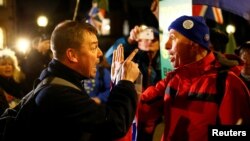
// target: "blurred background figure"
[[35, 61], [155, 8], [96, 15], [11, 79], [147, 40], [219, 40], [244, 53], [99, 88]]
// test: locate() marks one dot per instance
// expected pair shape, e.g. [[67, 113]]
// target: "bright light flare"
[[22, 45], [1, 38], [230, 28], [105, 29], [42, 21]]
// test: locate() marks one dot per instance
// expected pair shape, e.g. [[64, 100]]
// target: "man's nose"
[[168, 45], [100, 53]]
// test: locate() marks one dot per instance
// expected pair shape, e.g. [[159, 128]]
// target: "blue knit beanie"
[[194, 28]]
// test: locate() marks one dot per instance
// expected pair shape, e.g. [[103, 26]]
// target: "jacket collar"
[[197, 68], [56, 68]]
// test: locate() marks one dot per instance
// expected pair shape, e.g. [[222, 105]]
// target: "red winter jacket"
[[188, 101]]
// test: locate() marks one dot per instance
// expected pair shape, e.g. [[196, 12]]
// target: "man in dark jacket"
[[243, 51], [64, 113]]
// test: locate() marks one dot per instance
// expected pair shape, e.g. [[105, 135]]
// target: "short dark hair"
[[69, 34], [244, 47], [218, 39]]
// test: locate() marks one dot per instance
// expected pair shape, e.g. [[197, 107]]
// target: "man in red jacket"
[[188, 98]]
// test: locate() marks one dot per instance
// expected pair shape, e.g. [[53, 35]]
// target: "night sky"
[[137, 12]]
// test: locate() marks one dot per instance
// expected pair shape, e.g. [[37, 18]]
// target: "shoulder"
[[234, 82], [56, 93], [106, 71]]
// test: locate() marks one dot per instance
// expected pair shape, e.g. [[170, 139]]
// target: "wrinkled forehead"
[[174, 33]]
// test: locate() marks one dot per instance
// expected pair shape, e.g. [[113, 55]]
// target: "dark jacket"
[[66, 114], [3, 102], [246, 81], [12, 88], [32, 65]]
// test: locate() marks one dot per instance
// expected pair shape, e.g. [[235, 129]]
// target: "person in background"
[[69, 114], [243, 51], [187, 97], [155, 8], [219, 40], [96, 16], [146, 39], [99, 88], [11, 79], [35, 61]]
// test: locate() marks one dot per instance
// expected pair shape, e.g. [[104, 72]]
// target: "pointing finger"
[[132, 55]]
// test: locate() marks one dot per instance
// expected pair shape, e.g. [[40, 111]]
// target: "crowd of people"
[[206, 86]]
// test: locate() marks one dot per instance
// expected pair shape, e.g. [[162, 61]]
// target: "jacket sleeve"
[[235, 105], [76, 109], [11, 87], [123, 101], [150, 107]]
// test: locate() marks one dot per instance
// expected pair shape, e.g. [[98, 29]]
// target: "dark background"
[[135, 11]]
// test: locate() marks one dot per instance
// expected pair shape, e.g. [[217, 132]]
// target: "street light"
[[42, 21], [231, 45], [230, 29]]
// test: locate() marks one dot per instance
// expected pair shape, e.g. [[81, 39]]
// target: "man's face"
[[179, 48], [245, 56], [43, 46], [148, 45], [89, 56]]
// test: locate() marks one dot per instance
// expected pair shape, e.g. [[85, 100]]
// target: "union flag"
[[210, 12]]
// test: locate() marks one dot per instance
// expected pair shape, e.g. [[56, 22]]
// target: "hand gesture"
[[123, 70], [133, 34], [118, 59], [130, 70]]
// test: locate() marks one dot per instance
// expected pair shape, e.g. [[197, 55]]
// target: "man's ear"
[[72, 55]]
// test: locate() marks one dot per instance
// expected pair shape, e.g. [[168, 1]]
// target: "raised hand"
[[120, 69], [130, 70], [133, 34], [118, 59]]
